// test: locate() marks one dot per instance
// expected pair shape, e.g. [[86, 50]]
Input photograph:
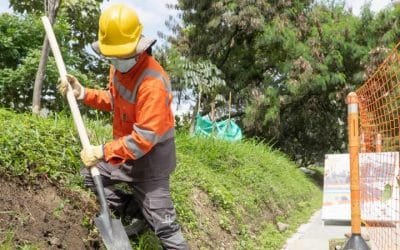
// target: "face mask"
[[123, 65]]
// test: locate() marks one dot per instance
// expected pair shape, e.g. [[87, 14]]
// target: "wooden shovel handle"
[[76, 114]]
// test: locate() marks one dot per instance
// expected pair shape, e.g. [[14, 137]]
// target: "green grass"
[[243, 180], [32, 145], [246, 187], [8, 244]]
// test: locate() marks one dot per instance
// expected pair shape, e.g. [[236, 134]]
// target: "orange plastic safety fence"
[[379, 107]]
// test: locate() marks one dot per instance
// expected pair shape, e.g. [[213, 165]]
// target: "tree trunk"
[[195, 111], [37, 89]]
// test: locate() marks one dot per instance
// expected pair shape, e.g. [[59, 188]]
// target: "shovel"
[[111, 230]]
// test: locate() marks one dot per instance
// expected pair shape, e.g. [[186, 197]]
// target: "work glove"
[[77, 88], [92, 155]]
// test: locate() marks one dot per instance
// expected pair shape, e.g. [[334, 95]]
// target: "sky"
[[376, 5], [152, 13]]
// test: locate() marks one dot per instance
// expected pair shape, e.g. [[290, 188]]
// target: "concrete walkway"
[[315, 235]]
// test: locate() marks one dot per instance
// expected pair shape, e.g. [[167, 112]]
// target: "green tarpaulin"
[[227, 130]]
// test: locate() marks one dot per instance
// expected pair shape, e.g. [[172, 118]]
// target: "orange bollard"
[[356, 242]]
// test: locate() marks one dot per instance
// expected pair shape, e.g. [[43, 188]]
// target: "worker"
[[142, 152]]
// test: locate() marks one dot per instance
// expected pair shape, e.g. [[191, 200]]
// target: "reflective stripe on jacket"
[[140, 100]]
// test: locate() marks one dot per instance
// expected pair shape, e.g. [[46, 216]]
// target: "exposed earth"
[[45, 216]]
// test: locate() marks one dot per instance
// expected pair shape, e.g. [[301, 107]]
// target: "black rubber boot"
[[135, 227], [132, 218]]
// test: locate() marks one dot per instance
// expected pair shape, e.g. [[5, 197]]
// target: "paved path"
[[315, 235]]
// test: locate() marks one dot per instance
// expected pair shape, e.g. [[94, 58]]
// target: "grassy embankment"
[[229, 195]]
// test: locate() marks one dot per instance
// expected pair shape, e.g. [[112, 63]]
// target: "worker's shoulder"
[[153, 70], [155, 81], [153, 64]]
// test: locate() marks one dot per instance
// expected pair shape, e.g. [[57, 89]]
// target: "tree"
[[51, 10], [82, 17], [290, 63], [200, 80], [16, 38], [19, 57]]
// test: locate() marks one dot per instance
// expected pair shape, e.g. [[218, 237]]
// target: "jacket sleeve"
[[100, 99], [154, 124]]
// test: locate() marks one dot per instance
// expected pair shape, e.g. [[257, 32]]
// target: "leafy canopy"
[[289, 63]]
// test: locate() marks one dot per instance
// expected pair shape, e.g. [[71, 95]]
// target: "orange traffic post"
[[356, 242], [378, 143]]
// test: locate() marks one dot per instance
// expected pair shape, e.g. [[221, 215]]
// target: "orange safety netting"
[[379, 107]]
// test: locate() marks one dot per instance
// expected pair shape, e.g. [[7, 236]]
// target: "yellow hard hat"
[[119, 31]]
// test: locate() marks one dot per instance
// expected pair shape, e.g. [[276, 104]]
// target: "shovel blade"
[[114, 235]]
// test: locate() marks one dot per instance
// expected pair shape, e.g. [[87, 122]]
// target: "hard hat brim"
[[125, 50], [122, 50]]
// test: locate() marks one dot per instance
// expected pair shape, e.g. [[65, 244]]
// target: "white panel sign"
[[378, 184]]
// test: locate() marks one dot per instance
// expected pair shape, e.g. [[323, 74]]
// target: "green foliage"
[[20, 55], [33, 145], [16, 38], [82, 15], [8, 243], [76, 26], [241, 180], [203, 76], [16, 85], [192, 78], [289, 63], [270, 238], [58, 211], [147, 241], [311, 85]]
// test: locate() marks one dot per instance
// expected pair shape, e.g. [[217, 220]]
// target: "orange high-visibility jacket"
[[140, 100]]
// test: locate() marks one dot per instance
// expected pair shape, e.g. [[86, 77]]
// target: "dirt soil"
[[45, 216], [221, 231], [212, 236]]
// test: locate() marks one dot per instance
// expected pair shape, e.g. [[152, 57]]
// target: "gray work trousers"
[[153, 197]]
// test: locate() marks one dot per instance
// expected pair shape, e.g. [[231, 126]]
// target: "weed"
[[8, 243], [147, 241], [225, 223], [86, 222], [59, 210]]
